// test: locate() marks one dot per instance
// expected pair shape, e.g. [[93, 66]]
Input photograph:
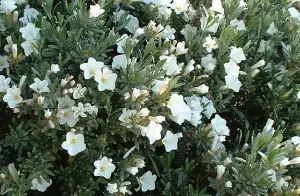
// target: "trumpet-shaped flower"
[[171, 65], [120, 61], [179, 109], [4, 83], [233, 83], [30, 46], [79, 110], [40, 185], [210, 44], [104, 167], [95, 11], [30, 32], [40, 86], [30, 14], [12, 97], [180, 6], [237, 54], [231, 68], [209, 63], [217, 6], [147, 181], [219, 126], [7, 6], [91, 68], [238, 24], [170, 141], [67, 116], [106, 80], [152, 131], [3, 62], [74, 143]]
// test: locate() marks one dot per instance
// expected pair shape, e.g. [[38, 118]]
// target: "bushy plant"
[[152, 97]]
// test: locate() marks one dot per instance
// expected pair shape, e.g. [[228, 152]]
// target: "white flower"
[[272, 29], [233, 83], [3, 62], [152, 131], [219, 126], [220, 171], [298, 95], [209, 63], [120, 61], [170, 141], [231, 68], [210, 44], [209, 109], [30, 32], [189, 67], [238, 24], [133, 22], [284, 162], [160, 86], [170, 65], [144, 112], [79, 111], [258, 64], [243, 4], [91, 68], [195, 105], [227, 161], [67, 116], [36, 185], [294, 13], [112, 188], [217, 6], [30, 14], [158, 119], [104, 167], [79, 92], [90, 108], [4, 83], [55, 68], [263, 46], [65, 101], [12, 97], [147, 181], [164, 12], [40, 86], [95, 11], [30, 46], [121, 42], [168, 33], [126, 116], [180, 6], [7, 6], [74, 143], [180, 48], [237, 54], [48, 113], [202, 89], [106, 80], [179, 109], [228, 184], [188, 30]]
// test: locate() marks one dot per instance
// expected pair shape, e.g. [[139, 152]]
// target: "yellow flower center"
[[102, 168], [73, 141], [93, 72], [178, 7], [169, 103], [104, 79], [32, 46], [17, 97], [1, 63], [66, 114]]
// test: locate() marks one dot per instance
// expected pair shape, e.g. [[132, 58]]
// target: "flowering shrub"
[[165, 97]]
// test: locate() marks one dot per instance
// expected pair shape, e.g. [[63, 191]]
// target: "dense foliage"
[[149, 97]]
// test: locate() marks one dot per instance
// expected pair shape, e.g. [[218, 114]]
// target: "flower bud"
[[227, 161], [220, 171], [2, 176], [14, 49], [72, 83], [258, 64], [254, 72], [51, 124], [63, 82], [65, 91], [15, 16]]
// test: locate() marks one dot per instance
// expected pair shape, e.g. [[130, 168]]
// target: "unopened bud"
[[63, 82], [258, 64], [14, 49], [72, 83], [69, 78], [15, 16], [254, 73], [51, 124], [2, 176], [65, 91]]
